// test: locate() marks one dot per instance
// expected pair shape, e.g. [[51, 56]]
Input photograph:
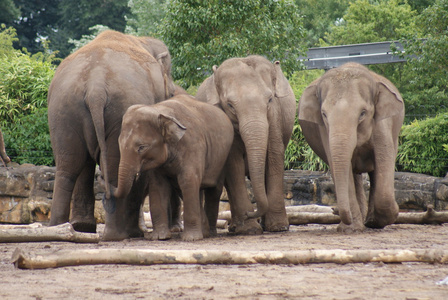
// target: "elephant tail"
[[96, 100]]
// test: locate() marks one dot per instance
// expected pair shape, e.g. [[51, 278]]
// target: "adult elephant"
[[351, 118], [3, 156], [259, 101], [90, 92]]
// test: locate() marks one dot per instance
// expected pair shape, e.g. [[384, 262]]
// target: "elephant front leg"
[[275, 219], [193, 209], [383, 209], [235, 184], [357, 208], [159, 198]]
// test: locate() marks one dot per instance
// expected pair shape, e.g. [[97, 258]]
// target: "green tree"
[[319, 15], [202, 33], [146, 16], [427, 74], [367, 22], [8, 12]]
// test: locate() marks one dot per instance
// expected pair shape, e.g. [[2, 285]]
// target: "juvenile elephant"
[[183, 143], [351, 118], [90, 92], [259, 101]]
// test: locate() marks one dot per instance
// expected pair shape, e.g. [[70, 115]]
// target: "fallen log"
[[315, 214], [20, 226], [303, 218], [63, 232], [429, 217], [221, 223], [78, 257]]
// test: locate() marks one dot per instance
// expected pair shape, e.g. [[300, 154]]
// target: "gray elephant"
[[183, 144], [259, 101], [3, 156], [351, 118], [90, 92]]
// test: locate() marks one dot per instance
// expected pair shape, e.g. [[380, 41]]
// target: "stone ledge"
[[26, 192]]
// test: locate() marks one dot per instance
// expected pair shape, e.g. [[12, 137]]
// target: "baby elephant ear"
[[389, 102], [172, 130]]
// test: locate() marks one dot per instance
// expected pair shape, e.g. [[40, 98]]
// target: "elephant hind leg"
[[83, 208]]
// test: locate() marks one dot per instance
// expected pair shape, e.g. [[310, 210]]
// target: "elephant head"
[[145, 138], [247, 90], [345, 106]]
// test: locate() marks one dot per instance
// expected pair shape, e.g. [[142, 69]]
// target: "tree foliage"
[[146, 16], [202, 33], [319, 15], [24, 81], [367, 22]]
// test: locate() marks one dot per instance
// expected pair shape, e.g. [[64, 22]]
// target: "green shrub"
[[24, 82], [28, 139], [422, 149]]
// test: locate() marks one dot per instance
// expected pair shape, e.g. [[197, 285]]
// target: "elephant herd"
[[114, 103]]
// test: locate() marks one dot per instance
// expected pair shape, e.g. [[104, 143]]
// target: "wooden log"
[[78, 257], [313, 208], [63, 232], [302, 218], [20, 226], [429, 217]]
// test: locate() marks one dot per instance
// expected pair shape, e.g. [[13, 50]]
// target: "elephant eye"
[[324, 115], [141, 148], [363, 114]]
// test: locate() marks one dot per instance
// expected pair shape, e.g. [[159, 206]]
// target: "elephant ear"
[[172, 130], [281, 84], [389, 101], [212, 90], [309, 105]]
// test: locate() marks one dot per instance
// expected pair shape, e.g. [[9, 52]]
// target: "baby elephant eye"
[[141, 148]]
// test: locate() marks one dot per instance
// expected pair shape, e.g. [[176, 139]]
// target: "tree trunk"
[[151, 257]]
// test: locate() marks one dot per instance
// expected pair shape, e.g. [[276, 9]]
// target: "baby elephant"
[[182, 145]]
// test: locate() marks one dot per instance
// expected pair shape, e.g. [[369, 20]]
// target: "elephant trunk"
[[126, 176], [341, 149], [255, 135]]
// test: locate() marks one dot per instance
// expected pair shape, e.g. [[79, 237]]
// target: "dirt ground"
[[311, 281]]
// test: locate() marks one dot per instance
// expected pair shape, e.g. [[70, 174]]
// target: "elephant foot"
[[84, 227], [160, 234], [248, 227], [136, 233], [192, 235], [176, 228], [350, 228], [109, 235], [379, 221], [275, 224]]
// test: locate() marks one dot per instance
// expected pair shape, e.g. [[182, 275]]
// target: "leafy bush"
[[24, 82], [28, 139], [422, 147]]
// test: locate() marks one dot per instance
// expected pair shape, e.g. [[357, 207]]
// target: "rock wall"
[[26, 192]]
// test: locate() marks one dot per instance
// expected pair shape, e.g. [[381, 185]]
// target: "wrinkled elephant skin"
[[183, 144], [351, 118], [259, 101], [90, 92]]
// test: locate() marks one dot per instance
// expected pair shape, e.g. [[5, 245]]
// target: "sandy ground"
[[312, 281]]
